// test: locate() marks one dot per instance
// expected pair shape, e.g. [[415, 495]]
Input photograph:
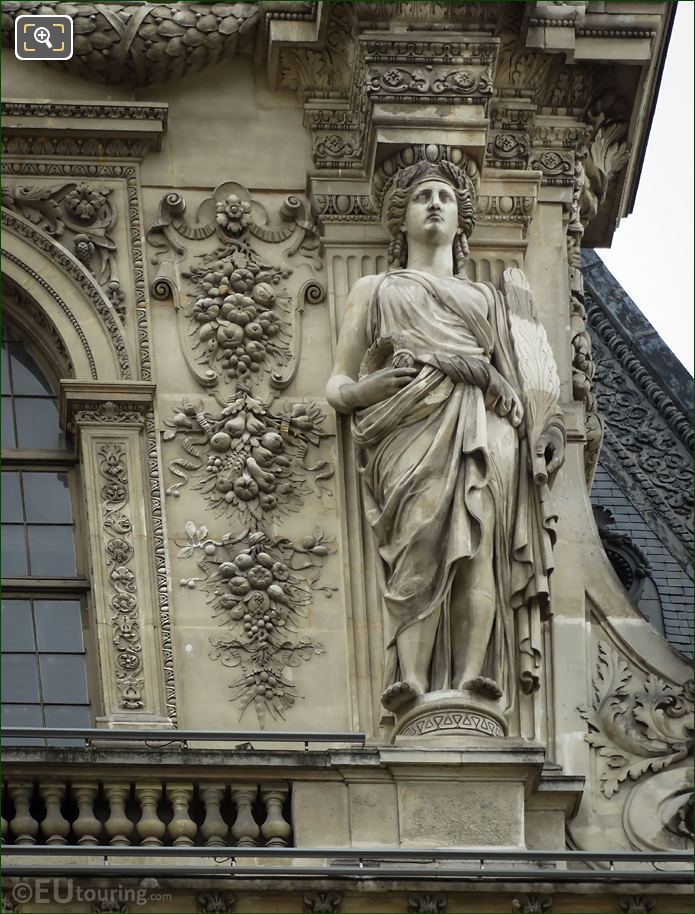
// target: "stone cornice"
[[114, 130]]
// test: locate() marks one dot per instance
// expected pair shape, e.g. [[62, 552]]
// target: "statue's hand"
[[505, 401], [551, 446], [378, 386]]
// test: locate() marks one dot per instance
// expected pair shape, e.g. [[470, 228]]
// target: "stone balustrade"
[[149, 813]]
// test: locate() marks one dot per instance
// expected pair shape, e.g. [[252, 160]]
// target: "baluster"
[[214, 828], [55, 827], [118, 826], [275, 829], [86, 826], [181, 828], [24, 826], [150, 828], [245, 831]]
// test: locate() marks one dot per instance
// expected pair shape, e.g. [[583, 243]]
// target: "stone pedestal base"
[[447, 717]]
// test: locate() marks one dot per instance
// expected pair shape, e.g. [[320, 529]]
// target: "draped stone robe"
[[425, 454]]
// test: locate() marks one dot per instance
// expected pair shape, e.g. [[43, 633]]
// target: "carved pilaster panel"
[[112, 425]]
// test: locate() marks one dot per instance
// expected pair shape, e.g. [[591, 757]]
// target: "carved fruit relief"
[[259, 587]]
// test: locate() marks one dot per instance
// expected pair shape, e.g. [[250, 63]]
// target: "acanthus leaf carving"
[[427, 904], [636, 728], [322, 902], [216, 903], [532, 904], [258, 592]]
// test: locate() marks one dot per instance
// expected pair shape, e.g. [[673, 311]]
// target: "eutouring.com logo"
[[66, 891]]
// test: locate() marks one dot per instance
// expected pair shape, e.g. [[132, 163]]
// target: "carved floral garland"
[[236, 313], [259, 592], [248, 457], [249, 460]]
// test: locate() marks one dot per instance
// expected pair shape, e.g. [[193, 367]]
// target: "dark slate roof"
[[645, 471]]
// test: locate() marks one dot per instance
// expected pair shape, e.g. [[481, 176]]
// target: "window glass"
[[51, 551], [37, 423], [47, 498], [11, 499], [13, 552], [22, 716], [27, 377], [58, 626], [8, 436], [20, 680], [5, 360], [44, 673], [17, 626], [63, 679]]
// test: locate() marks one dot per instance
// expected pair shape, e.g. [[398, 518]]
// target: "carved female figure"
[[427, 364]]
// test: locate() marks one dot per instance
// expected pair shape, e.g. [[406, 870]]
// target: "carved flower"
[[128, 660], [463, 79], [392, 78], [280, 571], [120, 550], [83, 201], [550, 160], [122, 575], [123, 603], [506, 142], [114, 491], [234, 215], [260, 578]]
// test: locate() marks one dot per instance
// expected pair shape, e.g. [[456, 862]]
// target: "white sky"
[[652, 251]]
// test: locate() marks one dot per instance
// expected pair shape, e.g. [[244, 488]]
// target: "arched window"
[[44, 587]]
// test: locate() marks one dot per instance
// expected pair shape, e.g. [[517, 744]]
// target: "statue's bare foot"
[[398, 694], [484, 686]]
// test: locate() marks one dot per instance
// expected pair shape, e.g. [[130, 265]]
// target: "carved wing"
[[540, 383]]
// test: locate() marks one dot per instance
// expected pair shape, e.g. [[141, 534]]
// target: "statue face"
[[432, 213]]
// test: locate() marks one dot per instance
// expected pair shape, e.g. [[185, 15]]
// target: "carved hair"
[[403, 185]]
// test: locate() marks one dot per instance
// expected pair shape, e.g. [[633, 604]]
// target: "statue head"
[[415, 191]]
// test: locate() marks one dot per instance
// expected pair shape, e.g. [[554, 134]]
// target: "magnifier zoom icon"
[[43, 36]]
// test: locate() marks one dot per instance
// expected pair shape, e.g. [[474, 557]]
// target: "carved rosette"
[[259, 592]]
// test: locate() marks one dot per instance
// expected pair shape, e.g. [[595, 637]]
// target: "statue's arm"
[[344, 390]]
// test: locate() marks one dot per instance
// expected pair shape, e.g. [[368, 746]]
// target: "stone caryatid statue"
[[453, 393]]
